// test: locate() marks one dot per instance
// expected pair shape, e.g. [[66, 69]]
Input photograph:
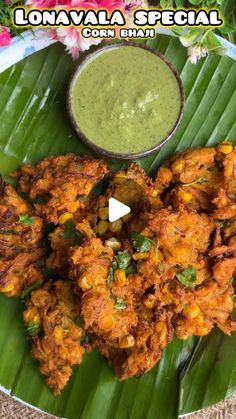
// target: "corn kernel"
[[225, 148], [127, 342], [7, 288], [199, 319], [229, 299], [107, 323], [140, 255], [156, 255], [100, 288], [185, 196], [63, 352], [102, 227], [65, 217], [113, 243], [31, 315], [149, 301], [153, 193], [58, 333], [103, 213], [83, 281], [159, 326], [192, 311], [178, 166], [120, 277], [115, 227]]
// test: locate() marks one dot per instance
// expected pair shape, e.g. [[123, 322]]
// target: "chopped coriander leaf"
[[199, 181], [33, 329], [82, 197], [25, 219], [40, 199], [120, 304], [45, 241], [161, 267], [70, 233], [9, 232], [141, 243], [187, 277], [110, 275], [27, 291], [120, 261], [25, 196], [79, 322], [84, 339], [48, 273], [223, 224], [132, 269]]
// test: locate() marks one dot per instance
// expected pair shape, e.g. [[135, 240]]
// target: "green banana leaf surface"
[[192, 374]]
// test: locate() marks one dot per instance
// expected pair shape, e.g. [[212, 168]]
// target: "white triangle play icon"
[[117, 209]]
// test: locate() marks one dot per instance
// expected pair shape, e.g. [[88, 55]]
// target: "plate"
[[191, 374]]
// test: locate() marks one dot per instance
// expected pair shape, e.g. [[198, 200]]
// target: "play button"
[[117, 209]]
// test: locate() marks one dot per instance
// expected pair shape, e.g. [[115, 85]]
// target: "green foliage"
[[208, 371], [70, 233], [199, 181], [27, 291], [25, 219], [141, 243], [227, 10], [161, 267], [5, 14], [33, 329], [187, 277], [120, 304], [120, 261]]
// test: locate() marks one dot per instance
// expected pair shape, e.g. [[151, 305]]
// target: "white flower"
[[196, 52]]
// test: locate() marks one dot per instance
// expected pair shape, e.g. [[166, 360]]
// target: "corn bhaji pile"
[[126, 287]]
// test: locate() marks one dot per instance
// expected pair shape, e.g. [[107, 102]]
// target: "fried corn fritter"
[[136, 190], [60, 184], [165, 269], [200, 179], [50, 316], [69, 233], [183, 276], [20, 273], [138, 175], [20, 235], [112, 306], [20, 230]]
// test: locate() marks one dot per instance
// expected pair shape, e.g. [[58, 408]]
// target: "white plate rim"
[[32, 41]]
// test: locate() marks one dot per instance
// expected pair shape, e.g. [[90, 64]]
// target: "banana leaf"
[[33, 123]]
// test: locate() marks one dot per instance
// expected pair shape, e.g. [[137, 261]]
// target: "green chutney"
[[125, 99]]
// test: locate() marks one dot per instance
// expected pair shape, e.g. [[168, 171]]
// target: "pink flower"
[[5, 37], [98, 4], [86, 4], [73, 40], [71, 36], [41, 4]]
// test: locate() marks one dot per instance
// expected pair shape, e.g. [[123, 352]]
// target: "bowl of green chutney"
[[125, 100]]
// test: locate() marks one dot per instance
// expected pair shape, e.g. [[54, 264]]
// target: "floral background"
[[199, 41]]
